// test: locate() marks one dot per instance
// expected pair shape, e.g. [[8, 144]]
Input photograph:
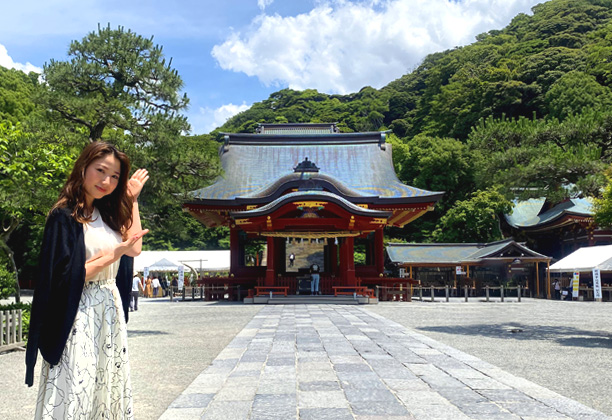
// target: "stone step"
[[311, 300]]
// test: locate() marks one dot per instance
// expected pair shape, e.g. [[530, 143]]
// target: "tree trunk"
[[9, 252]]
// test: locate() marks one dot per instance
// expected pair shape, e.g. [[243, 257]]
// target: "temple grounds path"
[[565, 347]]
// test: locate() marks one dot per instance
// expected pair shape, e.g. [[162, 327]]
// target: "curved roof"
[[532, 213], [310, 195], [358, 163], [456, 253]]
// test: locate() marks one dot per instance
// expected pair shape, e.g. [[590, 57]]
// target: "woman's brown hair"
[[115, 208]]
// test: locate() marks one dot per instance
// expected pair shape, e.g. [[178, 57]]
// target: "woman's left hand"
[[136, 182]]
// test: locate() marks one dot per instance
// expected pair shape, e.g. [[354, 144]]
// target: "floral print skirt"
[[92, 378]]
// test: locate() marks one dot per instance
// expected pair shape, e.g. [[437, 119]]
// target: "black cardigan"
[[59, 288]]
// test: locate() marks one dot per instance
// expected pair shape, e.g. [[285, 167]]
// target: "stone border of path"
[[342, 362]]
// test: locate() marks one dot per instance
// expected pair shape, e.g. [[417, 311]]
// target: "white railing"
[[11, 332]]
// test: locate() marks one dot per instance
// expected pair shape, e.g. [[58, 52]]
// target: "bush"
[[7, 282]]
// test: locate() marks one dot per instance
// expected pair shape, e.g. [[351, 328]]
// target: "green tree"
[[31, 173], [603, 205], [476, 219], [116, 80]]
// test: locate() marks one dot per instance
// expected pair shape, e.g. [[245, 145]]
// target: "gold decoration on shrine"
[[312, 235], [310, 203], [251, 206], [363, 206], [352, 222], [242, 222], [379, 221]]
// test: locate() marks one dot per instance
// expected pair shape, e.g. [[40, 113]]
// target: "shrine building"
[[290, 183]]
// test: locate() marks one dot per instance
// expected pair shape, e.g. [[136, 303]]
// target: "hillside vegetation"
[[523, 111]]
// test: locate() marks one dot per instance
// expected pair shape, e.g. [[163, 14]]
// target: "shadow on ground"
[[564, 336]]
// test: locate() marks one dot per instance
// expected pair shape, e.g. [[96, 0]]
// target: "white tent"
[[164, 265], [585, 259], [202, 261]]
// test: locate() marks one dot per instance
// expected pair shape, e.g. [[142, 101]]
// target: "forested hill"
[[524, 68], [522, 109]]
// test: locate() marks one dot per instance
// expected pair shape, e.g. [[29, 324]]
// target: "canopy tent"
[[164, 265], [585, 259], [202, 261]]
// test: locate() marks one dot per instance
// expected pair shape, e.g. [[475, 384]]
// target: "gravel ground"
[[170, 343], [563, 346]]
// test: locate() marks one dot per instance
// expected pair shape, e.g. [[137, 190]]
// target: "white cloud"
[[207, 119], [262, 4], [341, 46], [7, 61]]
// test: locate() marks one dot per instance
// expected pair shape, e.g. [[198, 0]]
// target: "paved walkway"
[[342, 362]]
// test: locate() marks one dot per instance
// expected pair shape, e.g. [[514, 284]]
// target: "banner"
[[576, 284], [145, 273], [181, 276], [597, 284]]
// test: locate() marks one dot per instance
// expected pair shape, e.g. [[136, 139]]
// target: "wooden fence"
[[11, 333]]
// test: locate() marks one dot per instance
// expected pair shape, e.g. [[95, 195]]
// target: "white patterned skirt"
[[92, 378]]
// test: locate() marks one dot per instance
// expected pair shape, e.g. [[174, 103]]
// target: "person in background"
[[155, 283], [557, 287], [148, 292], [136, 288], [314, 285], [77, 318], [291, 259]]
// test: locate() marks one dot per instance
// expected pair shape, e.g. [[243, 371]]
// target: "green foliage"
[[7, 281], [475, 219], [421, 165], [539, 157], [115, 80], [603, 204], [16, 89], [575, 91]]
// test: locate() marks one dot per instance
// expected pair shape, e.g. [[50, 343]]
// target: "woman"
[[77, 319], [148, 288]]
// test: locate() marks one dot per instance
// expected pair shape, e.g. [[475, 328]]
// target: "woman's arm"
[[96, 264], [135, 185]]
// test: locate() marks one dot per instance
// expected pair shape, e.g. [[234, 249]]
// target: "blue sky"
[[232, 53]]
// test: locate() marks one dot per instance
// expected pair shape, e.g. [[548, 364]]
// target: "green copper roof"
[[457, 253], [533, 212], [357, 162]]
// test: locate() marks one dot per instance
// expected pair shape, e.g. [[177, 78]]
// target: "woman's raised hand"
[[124, 246], [137, 181]]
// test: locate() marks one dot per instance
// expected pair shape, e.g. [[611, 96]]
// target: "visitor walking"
[[136, 288], [155, 283], [77, 320], [291, 259]]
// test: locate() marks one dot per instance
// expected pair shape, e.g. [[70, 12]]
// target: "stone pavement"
[[342, 362]]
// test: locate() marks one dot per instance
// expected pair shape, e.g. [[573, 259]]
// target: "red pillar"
[[333, 256], [347, 261], [379, 251], [270, 267], [234, 250]]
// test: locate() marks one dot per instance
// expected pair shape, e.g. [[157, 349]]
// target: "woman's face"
[[101, 178]]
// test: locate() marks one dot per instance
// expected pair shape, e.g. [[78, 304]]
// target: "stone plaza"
[[530, 360]]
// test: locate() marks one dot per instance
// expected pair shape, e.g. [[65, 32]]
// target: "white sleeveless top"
[[98, 238]]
